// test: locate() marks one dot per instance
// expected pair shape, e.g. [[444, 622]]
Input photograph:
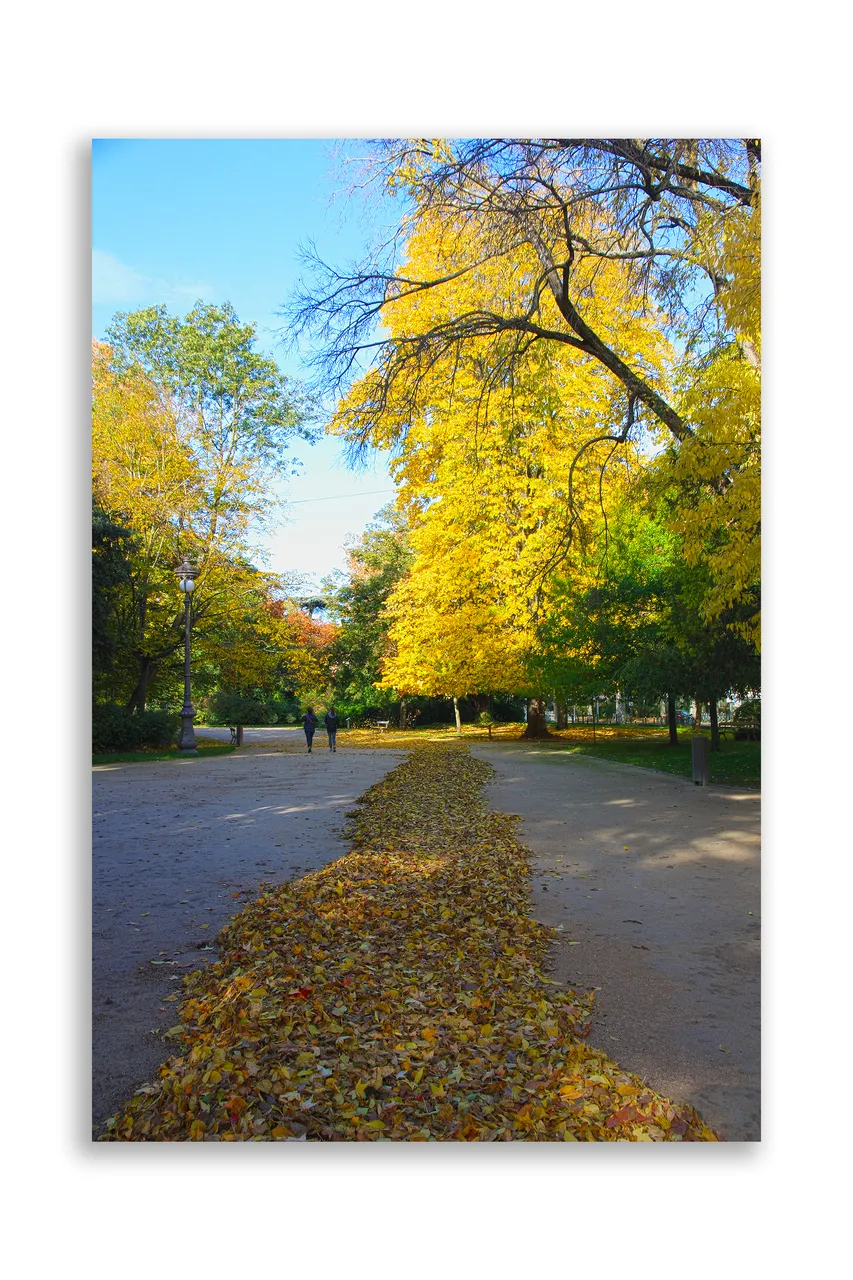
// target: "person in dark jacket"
[[309, 724], [331, 723]]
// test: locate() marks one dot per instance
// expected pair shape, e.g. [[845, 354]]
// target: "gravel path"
[[177, 846], [666, 929]]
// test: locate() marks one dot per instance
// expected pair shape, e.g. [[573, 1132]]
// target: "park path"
[[178, 845], [666, 929]]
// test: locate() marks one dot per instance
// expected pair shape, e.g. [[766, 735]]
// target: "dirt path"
[[177, 847], [667, 928]]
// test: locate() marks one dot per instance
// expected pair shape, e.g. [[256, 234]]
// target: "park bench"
[[236, 735], [382, 724], [741, 730]]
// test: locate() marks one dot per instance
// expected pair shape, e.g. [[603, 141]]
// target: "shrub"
[[747, 721], [226, 707], [507, 708], [115, 729], [748, 710], [286, 710]]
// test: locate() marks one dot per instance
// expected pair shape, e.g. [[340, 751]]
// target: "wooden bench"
[[236, 735], [741, 730], [382, 724]]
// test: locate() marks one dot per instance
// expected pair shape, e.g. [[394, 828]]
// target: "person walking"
[[309, 724], [331, 723]]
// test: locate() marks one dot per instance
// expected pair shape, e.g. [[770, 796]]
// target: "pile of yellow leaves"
[[397, 994]]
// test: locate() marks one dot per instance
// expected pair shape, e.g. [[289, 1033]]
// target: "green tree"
[[112, 545], [191, 427], [639, 628], [378, 561]]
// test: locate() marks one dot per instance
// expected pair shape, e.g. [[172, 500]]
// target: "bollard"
[[700, 761]]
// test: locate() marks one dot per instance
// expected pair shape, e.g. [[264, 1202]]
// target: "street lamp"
[[186, 574]]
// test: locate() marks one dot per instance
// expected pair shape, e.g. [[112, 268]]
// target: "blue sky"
[[222, 220]]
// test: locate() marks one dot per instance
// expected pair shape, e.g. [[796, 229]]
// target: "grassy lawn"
[[735, 764], [166, 753]]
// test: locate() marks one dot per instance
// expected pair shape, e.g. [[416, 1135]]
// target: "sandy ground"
[[177, 846], [666, 930]]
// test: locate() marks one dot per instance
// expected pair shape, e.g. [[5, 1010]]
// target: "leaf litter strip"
[[397, 994]]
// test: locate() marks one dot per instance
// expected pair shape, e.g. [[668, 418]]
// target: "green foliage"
[[228, 707], [111, 575], [287, 709], [239, 403], [506, 709], [116, 729], [640, 627], [377, 562], [735, 764], [191, 428]]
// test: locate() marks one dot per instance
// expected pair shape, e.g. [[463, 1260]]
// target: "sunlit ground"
[[646, 746]]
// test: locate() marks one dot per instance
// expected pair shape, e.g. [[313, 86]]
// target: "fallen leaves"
[[397, 995]]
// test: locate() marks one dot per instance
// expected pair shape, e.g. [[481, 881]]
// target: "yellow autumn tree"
[[599, 245], [718, 468], [273, 645], [144, 476], [502, 472]]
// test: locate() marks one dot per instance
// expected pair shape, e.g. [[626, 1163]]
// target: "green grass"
[[735, 764], [167, 753]]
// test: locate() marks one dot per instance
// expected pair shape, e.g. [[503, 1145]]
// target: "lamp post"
[[186, 574]]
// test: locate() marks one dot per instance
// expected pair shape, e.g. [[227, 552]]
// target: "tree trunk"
[[672, 719], [715, 726], [537, 725], [136, 702], [456, 714], [697, 713], [620, 707], [402, 713], [562, 716]]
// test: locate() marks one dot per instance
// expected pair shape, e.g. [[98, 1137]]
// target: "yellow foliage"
[[502, 477], [140, 467], [719, 467]]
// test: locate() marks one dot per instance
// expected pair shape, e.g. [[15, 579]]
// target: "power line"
[[333, 497]]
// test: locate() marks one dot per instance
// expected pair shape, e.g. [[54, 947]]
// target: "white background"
[[167, 69]]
